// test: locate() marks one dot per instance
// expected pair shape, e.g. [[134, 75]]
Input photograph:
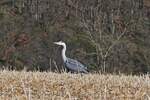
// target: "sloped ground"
[[54, 86]]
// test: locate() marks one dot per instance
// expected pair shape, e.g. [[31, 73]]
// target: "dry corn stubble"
[[65, 86]]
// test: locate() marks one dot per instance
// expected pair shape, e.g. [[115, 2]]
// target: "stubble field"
[[65, 86]]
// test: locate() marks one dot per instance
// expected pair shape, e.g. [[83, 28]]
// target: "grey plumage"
[[75, 66], [71, 64]]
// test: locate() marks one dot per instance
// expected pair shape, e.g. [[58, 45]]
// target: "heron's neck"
[[64, 53]]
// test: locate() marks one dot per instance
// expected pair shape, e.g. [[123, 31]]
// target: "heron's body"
[[71, 64], [75, 66]]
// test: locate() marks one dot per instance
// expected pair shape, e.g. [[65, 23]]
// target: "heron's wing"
[[75, 65], [75, 62]]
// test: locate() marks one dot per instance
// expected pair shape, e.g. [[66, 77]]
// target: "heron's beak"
[[56, 43]]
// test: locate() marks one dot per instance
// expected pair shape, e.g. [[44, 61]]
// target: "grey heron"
[[71, 64]]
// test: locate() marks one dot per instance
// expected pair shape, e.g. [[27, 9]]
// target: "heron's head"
[[60, 43]]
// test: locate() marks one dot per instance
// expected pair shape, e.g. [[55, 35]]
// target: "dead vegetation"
[[53, 86]]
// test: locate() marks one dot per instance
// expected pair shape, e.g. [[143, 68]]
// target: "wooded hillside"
[[106, 35]]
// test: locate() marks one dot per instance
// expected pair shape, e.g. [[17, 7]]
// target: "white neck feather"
[[64, 53]]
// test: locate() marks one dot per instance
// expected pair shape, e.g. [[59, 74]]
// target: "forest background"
[[109, 36]]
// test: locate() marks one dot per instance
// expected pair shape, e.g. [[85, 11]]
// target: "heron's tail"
[[86, 71]]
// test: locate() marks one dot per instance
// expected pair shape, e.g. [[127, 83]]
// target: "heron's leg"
[[66, 70]]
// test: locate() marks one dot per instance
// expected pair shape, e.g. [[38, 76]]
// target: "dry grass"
[[52, 86]]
